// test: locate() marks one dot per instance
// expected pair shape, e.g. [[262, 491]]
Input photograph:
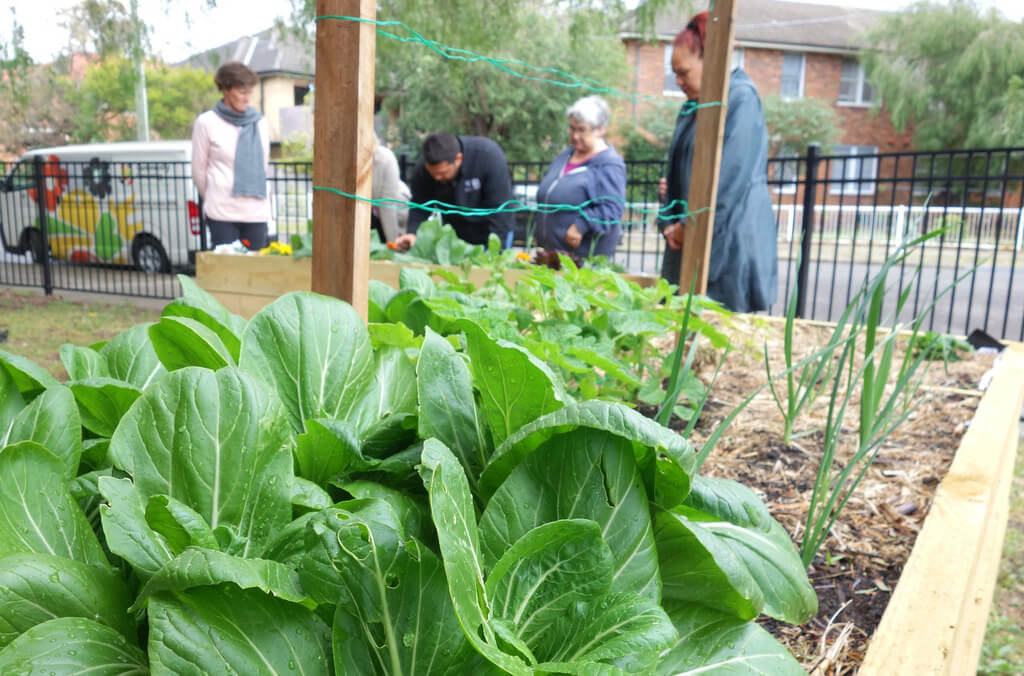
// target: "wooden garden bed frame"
[[935, 621], [244, 284]]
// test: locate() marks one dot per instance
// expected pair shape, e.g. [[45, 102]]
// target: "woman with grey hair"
[[589, 178]]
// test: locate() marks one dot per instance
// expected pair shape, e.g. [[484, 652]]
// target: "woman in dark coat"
[[589, 174], [743, 266]]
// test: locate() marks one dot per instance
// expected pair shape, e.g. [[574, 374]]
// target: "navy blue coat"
[[602, 176], [482, 182], [743, 267]]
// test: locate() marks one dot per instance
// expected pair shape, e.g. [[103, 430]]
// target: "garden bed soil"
[[860, 563]]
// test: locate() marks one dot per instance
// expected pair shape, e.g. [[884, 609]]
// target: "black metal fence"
[[120, 227]]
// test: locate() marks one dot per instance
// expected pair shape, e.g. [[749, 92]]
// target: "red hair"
[[694, 35]]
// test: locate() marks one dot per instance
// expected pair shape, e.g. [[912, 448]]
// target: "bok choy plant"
[[302, 492]]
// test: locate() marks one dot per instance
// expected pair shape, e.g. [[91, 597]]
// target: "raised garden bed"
[[244, 284], [938, 487]]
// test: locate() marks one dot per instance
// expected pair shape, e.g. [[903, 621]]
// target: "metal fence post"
[[40, 181], [810, 194]]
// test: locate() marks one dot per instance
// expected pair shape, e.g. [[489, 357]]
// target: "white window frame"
[[739, 58], [803, 75], [669, 76], [852, 171], [861, 82]]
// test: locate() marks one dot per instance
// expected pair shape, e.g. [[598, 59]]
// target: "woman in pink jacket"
[[230, 154]]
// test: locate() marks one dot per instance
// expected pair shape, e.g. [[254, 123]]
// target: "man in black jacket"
[[464, 171]]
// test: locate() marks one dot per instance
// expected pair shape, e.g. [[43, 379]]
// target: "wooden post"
[[707, 149], [343, 150]]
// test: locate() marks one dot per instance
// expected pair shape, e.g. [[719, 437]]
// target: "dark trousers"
[[225, 232]]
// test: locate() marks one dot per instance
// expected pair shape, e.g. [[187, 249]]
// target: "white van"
[[117, 203]]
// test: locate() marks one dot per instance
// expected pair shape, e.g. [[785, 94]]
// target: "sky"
[[184, 27]]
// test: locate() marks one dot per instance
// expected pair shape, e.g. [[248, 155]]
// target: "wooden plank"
[[935, 620], [343, 150], [707, 149]]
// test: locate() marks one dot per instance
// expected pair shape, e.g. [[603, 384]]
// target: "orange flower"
[[393, 246], [55, 178]]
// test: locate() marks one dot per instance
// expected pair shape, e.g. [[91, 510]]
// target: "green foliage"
[[649, 137], [104, 27], [30, 111], [793, 124], [316, 493], [934, 346], [105, 100], [953, 71]]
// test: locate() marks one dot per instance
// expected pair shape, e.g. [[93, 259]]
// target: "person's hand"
[[403, 242], [573, 236], [662, 188], [674, 236]]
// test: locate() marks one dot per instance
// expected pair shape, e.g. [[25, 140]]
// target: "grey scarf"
[[250, 174]]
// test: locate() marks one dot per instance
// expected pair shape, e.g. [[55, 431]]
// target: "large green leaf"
[[130, 357], [52, 421], [11, 402], [314, 351], [389, 394], [37, 513], [515, 387], [329, 449], [197, 567], [183, 341], [216, 441], [227, 630], [394, 613], [29, 377], [413, 514], [70, 646], [195, 303], [447, 408], [624, 630], [585, 474], [83, 362], [451, 505], [716, 643], [102, 402], [126, 530], [666, 460], [732, 523], [180, 525], [546, 574], [35, 588]]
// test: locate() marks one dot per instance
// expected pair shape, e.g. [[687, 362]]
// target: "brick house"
[[793, 50]]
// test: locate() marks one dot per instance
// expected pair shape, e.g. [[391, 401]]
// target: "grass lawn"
[[1003, 651], [38, 325]]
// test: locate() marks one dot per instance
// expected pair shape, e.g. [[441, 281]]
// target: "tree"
[[105, 104], [103, 27], [425, 91], [952, 72], [793, 124], [31, 112]]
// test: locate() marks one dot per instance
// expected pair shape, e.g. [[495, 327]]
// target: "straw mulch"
[[858, 567]]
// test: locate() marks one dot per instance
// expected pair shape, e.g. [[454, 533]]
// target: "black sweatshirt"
[[482, 182]]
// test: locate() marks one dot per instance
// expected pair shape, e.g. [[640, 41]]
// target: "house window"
[[853, 85], [670, 87], [853, 171], [792, 75], [737, 58], [300, 94]]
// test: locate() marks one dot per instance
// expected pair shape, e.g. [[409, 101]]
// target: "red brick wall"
[[860, 126]]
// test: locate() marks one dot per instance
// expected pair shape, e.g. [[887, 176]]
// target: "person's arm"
[[606, 192], [390, 184], [497, 190], [744, 134], [200, 156]]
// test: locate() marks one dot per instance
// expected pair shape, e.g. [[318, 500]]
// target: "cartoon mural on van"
[[86, 225]]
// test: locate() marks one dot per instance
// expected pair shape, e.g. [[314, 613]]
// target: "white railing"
[[990, 226]]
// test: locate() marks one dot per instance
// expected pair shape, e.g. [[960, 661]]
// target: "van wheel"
[[33, 244], [149, 255]]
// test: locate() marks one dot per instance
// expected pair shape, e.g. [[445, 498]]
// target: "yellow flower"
[[523, 256]]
